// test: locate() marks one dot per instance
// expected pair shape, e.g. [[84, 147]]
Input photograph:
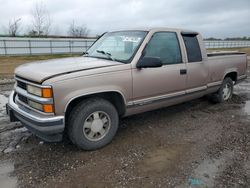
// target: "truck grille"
[[21, 84], [22, 98]]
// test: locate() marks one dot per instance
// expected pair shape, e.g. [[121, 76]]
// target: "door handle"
[[183, 71]]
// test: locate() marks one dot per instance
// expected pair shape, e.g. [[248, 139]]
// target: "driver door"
[[149, 84]]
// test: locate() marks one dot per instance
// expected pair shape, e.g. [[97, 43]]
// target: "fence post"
[[50, 43], [86, 45], [70, 47], [30, 47], [5, 47]]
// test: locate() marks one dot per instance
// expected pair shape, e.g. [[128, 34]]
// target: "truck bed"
[[220, 63]]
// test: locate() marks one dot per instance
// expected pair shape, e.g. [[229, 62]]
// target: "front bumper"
[[49, 128]]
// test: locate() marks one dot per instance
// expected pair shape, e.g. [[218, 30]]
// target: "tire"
[[220, 96], [93, 123]]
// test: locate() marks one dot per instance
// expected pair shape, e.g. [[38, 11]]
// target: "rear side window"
[[164, 45], [192, 48]]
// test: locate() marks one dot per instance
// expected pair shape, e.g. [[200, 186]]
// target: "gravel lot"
[[195, 144]]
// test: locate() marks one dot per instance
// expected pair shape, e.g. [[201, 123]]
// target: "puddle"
[[247, 108], [204, 175], [6, 180], [161, 159], [3, 101], [10, 140]]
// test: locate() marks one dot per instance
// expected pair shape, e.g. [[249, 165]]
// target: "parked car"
[[121, 74]]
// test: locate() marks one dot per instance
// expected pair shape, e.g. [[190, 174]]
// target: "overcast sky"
[[213, 18]]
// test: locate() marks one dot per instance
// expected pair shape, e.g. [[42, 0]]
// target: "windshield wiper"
[[106, 53]]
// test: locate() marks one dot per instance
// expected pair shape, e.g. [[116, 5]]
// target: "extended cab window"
[[192, 48], [164, 45]]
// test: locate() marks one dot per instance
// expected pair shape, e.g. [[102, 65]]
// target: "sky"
[[212, 18]]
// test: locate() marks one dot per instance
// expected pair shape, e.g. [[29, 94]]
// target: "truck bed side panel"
[[221, 65]]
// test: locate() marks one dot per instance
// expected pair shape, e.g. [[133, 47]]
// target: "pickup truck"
[[121, 74]]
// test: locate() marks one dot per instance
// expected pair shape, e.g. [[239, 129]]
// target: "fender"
[[230, 71], [92, 93]]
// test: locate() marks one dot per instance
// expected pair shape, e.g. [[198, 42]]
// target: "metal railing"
[[43, 46], [227, 44]]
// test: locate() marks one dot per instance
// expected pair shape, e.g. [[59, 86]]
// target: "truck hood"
[[43, 70]]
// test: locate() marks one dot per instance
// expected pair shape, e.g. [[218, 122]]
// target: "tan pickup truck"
[[122, 73]]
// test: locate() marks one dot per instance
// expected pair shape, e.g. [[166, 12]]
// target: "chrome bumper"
[[49, 128]]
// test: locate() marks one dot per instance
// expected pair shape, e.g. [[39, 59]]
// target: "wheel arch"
[[115, 97], [231, 74]]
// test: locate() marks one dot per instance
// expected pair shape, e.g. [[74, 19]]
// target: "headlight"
[[35, 105], [41, 92], [47, 108], [34, 90], [45, 92]]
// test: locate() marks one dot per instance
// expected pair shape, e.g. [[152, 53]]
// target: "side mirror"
[[149, 62]]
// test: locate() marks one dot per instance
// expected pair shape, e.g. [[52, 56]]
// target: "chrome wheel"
[[96, 126], [227, 90]]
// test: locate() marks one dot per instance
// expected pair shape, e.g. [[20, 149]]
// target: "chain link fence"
[[11, 46]]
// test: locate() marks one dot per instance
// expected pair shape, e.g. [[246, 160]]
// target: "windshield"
[[117, 46]]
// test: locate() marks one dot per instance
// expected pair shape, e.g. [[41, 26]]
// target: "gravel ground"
[[195, 144]]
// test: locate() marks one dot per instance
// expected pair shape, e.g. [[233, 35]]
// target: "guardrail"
[[11, 46]]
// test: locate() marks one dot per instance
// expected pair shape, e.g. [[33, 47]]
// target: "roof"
[[157, 29]]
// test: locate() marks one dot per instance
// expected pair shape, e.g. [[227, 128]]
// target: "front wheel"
[[93, 123], [225, 92]]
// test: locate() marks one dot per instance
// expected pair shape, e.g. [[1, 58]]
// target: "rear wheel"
[[93, 123], [224, 93]]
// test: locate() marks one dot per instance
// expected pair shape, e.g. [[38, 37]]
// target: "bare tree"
[[41, 20], [77, 31], [14, 27]]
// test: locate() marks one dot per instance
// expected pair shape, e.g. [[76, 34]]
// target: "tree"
[[212, 38], [77, 31], [41, 20], [14, 27], [32, 33]]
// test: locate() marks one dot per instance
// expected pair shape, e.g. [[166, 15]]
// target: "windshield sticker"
[[130, 39]]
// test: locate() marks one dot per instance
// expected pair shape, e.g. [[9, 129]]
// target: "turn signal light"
[[48, 108], [47, 92]]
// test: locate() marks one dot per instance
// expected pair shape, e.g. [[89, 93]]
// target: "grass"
[[9, 63], [246, 50]]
